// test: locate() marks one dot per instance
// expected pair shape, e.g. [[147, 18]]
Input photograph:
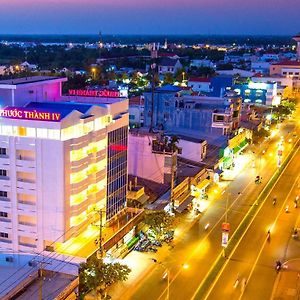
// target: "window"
[[131, 117], [3, 172], [2, 151], [3, 194], [4, 235], [3, 214]]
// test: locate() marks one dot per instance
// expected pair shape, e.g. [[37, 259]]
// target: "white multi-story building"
[[59, 163]]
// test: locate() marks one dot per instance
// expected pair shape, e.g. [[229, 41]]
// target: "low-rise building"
[[169, 65], [200, 84]]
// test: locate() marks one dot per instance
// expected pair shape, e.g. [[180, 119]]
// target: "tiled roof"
[[288, 63], [168, 62], [200, 79]]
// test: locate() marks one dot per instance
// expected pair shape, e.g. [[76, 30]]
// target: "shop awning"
[[184, 204], [203, 184]]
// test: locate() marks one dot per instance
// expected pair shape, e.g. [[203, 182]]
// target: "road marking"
[[265, 241], [213, 228], [234, 249]]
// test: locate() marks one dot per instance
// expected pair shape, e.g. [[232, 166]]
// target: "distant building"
[[260, 67], [195, 115], [169, 65], [199, 63], [262, 93], [136, 111], [200, 84], [270, 57], [220, 85]]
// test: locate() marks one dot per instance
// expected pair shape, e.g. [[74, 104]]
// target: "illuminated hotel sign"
[[95, 93], [29, 114]]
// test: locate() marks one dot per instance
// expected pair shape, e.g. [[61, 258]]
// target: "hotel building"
[[61, 161]]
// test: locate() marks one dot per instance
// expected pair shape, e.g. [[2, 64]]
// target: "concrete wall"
[[141, 161], [192, 150]]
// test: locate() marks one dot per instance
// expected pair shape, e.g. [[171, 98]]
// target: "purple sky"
[[150, 16]]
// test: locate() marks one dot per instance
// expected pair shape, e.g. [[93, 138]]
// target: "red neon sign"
[[93, 93]]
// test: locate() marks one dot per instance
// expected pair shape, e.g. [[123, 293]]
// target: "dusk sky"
[[150, 16]]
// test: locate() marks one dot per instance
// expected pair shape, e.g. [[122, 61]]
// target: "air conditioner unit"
[[9, 259]]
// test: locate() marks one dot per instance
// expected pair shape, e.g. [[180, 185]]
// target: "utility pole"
[[153, 67], [100, 250], [173, 168]]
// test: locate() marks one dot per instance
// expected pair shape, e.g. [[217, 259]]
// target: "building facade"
[[60, 163]]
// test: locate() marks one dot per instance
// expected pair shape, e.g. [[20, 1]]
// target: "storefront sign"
[[29, 114], [95, 93]]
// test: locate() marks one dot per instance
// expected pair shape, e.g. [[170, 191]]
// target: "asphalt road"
[[199, 248], [255, 257]]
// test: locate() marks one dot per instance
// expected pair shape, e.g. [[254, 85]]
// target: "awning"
[[203, 184], [184, 204]]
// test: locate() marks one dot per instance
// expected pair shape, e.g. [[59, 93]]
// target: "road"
[[255, 256], [199, 248]]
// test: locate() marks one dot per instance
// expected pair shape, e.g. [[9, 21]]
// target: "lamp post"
[[93, 73], [167, 272]]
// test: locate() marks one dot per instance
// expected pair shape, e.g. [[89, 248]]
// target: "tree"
[[160, 222], [97, 275], [262, 133], [168, 78]]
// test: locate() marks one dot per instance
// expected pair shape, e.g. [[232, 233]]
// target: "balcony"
[[27, 228], [5, 225], [25, 184], [28, 248], [25, 164], [27, 207], [4, 160]]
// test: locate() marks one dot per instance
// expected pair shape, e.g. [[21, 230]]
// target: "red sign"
[[225, 226], [95, 93], [29, 114]]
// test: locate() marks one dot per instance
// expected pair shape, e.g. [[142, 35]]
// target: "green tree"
[[168, 78], [160, 222], [258, 135], [98, 276]]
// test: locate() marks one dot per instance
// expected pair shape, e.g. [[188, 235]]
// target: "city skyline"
[[150, 17]]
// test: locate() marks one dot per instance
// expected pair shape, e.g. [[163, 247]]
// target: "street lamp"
[[93, 73], [185, 266], [167, 273]]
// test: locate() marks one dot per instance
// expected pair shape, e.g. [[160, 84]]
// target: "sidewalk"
[[287, 285]]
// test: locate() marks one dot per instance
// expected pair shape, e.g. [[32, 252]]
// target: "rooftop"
[[26, 80], [64, 108], [168, 62], [288, 63], [199, 79]]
